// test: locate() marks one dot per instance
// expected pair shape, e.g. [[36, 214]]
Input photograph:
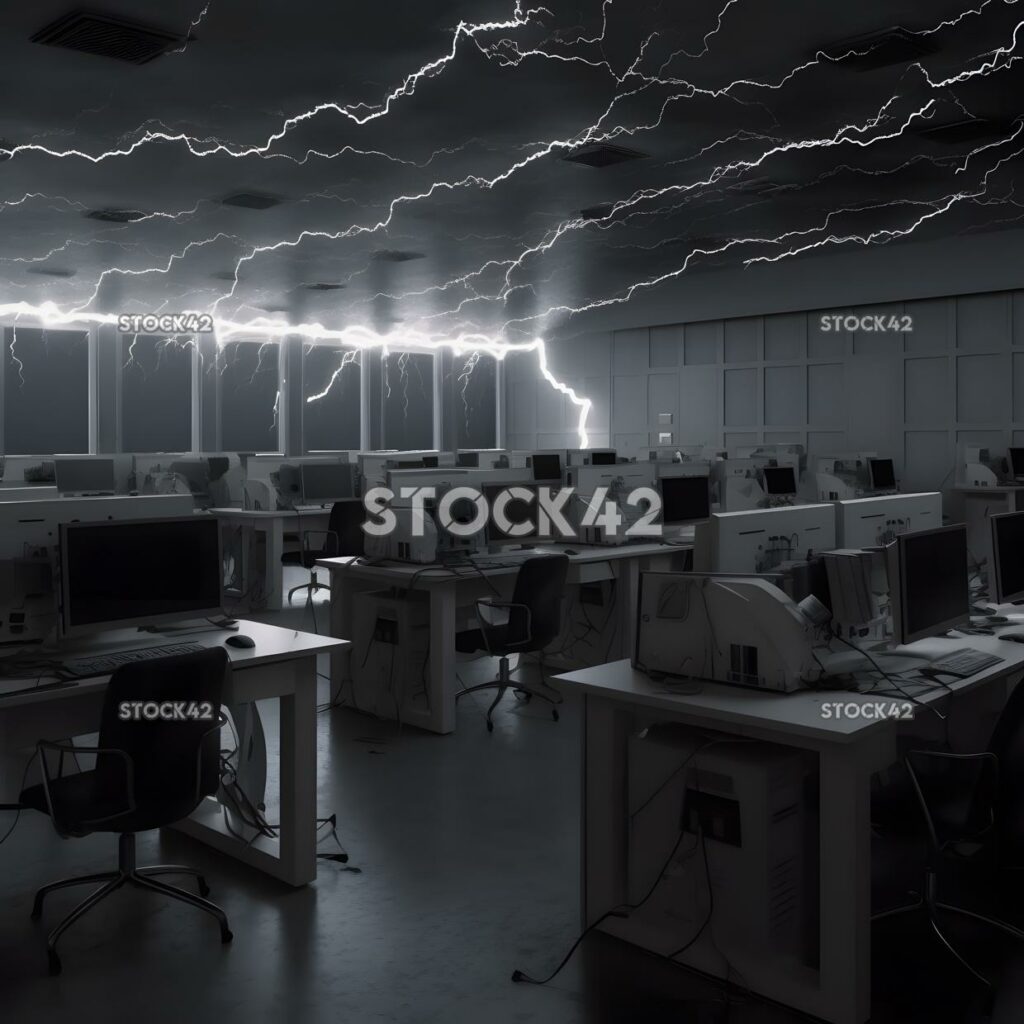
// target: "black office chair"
[[533, 619], [147, 774], [973, 809], [343, 536]]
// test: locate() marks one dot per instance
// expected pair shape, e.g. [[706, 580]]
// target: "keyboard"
[[963, 662], [104, 664]]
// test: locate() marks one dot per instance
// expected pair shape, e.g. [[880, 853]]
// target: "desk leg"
[[845, 855], [273, 578], [342, 617], [442, 658], [298, 776]]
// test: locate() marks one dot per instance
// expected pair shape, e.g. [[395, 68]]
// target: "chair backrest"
[[346, 524], [1007, 743], [172, 760], [540, 585]]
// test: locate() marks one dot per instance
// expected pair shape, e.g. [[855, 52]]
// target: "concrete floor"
[[467, 855]]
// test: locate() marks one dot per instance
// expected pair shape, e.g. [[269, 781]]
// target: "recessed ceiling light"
[[53, 271], [324, 286], [114, 216], [105, 35], [396, 255], [888, 46], [603, 154], [252, 200]]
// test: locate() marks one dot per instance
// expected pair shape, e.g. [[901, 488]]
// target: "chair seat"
[[84, 792], [307, 559]]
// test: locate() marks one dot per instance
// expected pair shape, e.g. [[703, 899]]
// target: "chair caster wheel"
[[554, 714], [204, 889], [55, 964], [490, 726], [226, 936]]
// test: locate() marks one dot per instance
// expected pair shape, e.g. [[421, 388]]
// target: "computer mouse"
[[1017, 638], [240, 640]]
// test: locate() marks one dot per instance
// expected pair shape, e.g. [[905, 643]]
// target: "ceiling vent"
[[396, 255], [252, 200], [53, 271], [325, 286], [603, 154], [968, 129], [895, 45], [106, 35], [112, 216], [598, 212]]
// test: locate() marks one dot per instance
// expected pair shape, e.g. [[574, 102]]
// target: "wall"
[[958, 376]]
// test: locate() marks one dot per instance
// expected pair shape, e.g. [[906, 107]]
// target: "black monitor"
[[139, 572], [547, 466], [1015, 456], [468, 459], [928, 582], [606, 458], [517, 511], [883, 474], [196, 473], [430, 462], [684, 499], [1006, 576], [325, 482], [779, 479], [84, 476]]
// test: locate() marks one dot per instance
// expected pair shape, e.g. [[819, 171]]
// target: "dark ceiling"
[[442, 200]]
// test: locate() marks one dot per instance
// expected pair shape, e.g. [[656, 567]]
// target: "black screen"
[[779, 480], [883, 474], [517, 511], [1016, 456], [684, 499], [467, 459], [602, 459], [547, 467], [138, 569], [1008, 552], [325, 481], [84, 474], [934, 586], [430, 462]]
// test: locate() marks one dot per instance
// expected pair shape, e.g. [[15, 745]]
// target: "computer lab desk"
[[260, 577], [448, 591], [618, 702], [282, 665]]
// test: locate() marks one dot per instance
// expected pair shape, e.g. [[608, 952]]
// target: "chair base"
[[930, 905], [504, 683], [127, 873]]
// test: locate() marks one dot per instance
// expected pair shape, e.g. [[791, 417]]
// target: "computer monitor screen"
[[547, 466], [1016, 458], [883, 474], [1006, 579], [684, 499], [602, 459], [138, 572], [929, 588], [75, 476], [324, 482], [517, 511], [779, 479], [430, 462], [468, 459]]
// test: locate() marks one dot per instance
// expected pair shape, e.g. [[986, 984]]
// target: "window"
[[407, 399], [249, 401], [331, 377], [473, 393], [45, 391], [156, 393]]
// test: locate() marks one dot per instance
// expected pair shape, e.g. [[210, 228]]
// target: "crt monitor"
[[1015, 457], [517, 511], [547, 466], [1006, 578], [138, 572], [77, 476], [883, 474], [779, 479], [325, 482], [928, 582], [684, 499]]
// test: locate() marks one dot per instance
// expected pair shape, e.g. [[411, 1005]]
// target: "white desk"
[[450, 590], [282, 665], [259, 537], [618, 702]]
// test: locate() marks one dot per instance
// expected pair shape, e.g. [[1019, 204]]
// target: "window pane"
[[331, 377], [46, 391], [156, 394], [407, 383], [474, 393], [249, 396]]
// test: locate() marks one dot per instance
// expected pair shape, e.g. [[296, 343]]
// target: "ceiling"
[[439, 200]]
